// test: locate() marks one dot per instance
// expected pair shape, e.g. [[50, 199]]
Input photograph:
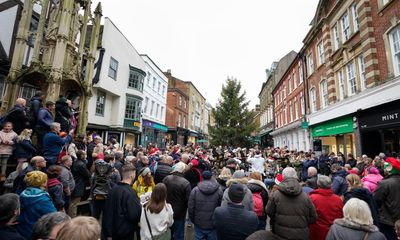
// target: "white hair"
[[312, 171], [289, 172], [324, 182], [357, 211]]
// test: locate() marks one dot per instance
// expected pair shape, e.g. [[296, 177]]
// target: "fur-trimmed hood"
[[243, 181], [352, 225], [256, 182]]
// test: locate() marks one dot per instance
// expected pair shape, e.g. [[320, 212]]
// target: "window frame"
[[321, 53], [310, 63], [341, 85], [346, 30], [101, 112], [313, 100], [395, 56], [351, 79], [137, 107], [361, 70], [324, 99], [111, 67]]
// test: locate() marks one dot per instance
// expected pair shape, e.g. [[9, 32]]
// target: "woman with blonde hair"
[[223, 177], [24, 149], [157, 216], [82, 228], [356, 190], [356, 224]]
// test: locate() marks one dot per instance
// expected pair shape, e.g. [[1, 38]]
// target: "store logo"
[[390, 117]]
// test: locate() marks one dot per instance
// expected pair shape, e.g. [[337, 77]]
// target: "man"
[[43, 123], [323, 164], [49, 225], [163, 168], [123, 209], [67, 180], [35, 104], [240, 178], [257, 163], [202, 202], [312, 177], [37, 163], [290, 209], [178, 196], [328, 206], [339, 183], [231, 164], [308, 162], [17, 116], [387, 197], [9, 212], [234, 222], [53, 143], [81, 176], [119, 160]]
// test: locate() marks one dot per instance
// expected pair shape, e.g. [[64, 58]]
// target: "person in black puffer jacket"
[[24, 149], [256, 186], [81, 176], [339, 183], [203, 200], [63, 114], [163, 169]]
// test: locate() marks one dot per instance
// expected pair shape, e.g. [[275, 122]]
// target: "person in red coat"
[[328, 206]]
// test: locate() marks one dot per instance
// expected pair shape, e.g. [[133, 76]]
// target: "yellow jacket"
[[140, 187]]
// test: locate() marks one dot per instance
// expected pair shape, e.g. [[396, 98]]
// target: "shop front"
[[380, 129], [153, 132], [336, 135], [178, 135]]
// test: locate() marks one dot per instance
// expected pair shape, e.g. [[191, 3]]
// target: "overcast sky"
[[207, 41]]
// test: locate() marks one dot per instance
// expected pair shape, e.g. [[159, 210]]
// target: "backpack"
[[102, 178], [30, 113], [258, 204]]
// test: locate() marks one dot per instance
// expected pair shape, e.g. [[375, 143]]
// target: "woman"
[[372, 179], [260, 198], [223, 177], [24, 149], [356, 190], [157, 216], [35, 202], [83, 228], [144, 185], [7, 140], [55, 187], [356, 224]]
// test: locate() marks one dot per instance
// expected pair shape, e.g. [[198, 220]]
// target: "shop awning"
[[333, 127]]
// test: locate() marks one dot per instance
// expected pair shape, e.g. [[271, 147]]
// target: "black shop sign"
[[380, 119]]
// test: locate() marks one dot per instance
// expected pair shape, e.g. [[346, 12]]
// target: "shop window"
[[395, 49], [100, 103], [113, 68], [132, 108]]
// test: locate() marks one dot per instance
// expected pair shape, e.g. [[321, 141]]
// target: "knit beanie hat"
[[145, 171], [239, 174], [236, 193], [207, 175], [35, 179]]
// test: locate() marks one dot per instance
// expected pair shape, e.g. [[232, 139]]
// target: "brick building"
[[352, 54], [177, 110], [289, 108]]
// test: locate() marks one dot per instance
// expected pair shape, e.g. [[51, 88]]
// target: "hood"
[[38, 98], [352, 225], [256, 185], [31, 196], [360, 193], [52, 182], [208, 187], [372, 178], [290, 187], [323, 192], [243, 181], [341, 173]]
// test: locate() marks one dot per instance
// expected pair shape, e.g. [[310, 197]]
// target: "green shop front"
[[153, 132], [336, 135]]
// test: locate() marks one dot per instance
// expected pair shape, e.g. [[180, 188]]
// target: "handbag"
[[62, 153], [163, 236]]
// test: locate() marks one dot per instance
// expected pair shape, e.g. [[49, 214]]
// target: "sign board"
[[333, 127]]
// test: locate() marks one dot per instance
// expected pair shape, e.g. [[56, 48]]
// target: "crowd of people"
[[66, 186]]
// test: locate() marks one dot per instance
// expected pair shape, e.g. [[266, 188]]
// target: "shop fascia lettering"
[[390, 117]]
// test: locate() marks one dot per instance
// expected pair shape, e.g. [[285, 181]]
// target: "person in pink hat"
[[371, 181]]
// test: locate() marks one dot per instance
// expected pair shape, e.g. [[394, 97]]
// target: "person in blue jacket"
[[43, 122], [35, 203], [53, 143]]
